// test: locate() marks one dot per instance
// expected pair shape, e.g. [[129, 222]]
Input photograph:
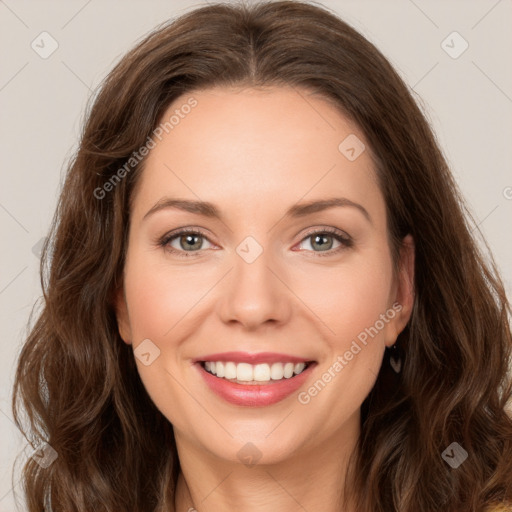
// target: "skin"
[[254, 153]]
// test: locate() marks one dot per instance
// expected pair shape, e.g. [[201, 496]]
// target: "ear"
[[404, 295], [123, 319]]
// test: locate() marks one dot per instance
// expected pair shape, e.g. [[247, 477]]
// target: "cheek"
[[350, 304], [161, 295], [348, 299], [159, 298]]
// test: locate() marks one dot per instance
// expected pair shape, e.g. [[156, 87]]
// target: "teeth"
[[229, 370], [288, 370], [261, 372], [299, 367], [277, 371], [246, 372]]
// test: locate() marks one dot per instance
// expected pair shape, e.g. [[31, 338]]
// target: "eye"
[[185, 241], [320, 239], [188, 240]]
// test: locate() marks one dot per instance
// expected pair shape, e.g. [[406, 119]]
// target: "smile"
[[248, 373], [252, 382]]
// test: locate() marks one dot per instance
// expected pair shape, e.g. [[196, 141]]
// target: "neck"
[[310, 479]]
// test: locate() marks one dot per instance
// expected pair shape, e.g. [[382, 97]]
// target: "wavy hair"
[[77, 381]]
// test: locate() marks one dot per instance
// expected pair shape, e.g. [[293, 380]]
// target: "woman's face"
[[255, 279]]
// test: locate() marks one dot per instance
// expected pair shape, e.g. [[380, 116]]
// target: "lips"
[[264, 390]]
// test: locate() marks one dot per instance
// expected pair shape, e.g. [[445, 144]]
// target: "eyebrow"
[[207, 209]]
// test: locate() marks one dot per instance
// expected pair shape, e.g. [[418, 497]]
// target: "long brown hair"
[[77, 380]]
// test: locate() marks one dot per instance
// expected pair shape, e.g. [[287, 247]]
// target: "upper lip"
[[245, 357]]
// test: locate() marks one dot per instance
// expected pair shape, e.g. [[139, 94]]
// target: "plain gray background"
[[467, 99]]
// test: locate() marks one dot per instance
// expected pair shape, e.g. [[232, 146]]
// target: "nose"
[[255, 293]]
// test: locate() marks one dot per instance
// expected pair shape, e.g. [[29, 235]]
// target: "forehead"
[[245, 147]]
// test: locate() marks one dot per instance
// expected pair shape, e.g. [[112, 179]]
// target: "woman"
[[263, 292]]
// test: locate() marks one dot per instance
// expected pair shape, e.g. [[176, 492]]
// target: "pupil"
[[189, 239], [320, 237]]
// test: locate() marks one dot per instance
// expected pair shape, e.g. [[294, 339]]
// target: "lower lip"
[[255, 395]]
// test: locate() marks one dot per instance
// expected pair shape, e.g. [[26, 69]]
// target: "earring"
[[395, 360]]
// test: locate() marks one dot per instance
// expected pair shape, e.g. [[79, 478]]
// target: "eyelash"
[[340, 236]]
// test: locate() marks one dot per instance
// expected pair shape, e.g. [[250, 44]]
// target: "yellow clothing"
[[500, 507]]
